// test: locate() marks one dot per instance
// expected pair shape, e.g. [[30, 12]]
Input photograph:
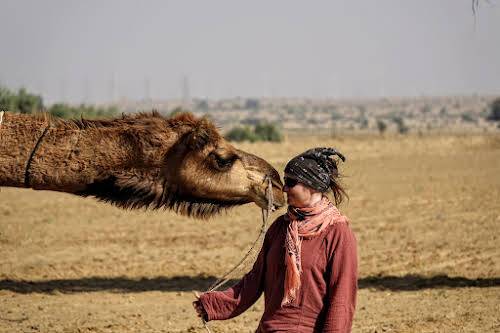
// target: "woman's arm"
[[343, 283], [235, 300]]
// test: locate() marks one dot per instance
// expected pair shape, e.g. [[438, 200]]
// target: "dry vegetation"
[[425, 210], [424, 114]]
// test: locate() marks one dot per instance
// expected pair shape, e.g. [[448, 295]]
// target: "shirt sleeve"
[[230, 303], [343, 283]]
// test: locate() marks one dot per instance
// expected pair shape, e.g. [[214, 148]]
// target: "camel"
[[135, 161]]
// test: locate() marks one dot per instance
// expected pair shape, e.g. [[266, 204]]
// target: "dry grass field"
[[425, 211]]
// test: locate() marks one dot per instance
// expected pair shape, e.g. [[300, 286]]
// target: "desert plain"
[[425, 210]]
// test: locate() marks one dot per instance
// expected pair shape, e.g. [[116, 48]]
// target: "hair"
[[336, 192]]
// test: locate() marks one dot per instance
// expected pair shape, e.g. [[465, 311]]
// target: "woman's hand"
[[198, 306]]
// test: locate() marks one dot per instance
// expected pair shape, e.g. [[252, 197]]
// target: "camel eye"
[[223, 163]]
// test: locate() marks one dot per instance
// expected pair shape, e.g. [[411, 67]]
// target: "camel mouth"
[[261, 198], [278, 197], [276, 206]]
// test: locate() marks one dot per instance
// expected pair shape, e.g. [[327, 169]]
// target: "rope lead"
[[239, 267]]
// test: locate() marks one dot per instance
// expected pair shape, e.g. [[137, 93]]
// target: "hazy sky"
[[96, 51]]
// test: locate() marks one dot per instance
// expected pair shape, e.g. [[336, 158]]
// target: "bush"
[[382, 126], [65, 111], [268, 132], [252, 103], [202, 105], [363, 122], [60, 110], [468, 116], [261, 132], [175, 112], [240, 134], [28, 103], [495, 110], [23, 102], [402, 128], [425, 109], [251, 121], [7, 100]]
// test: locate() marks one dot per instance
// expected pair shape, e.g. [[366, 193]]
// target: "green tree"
[[22, 102], [7, 100], [28, 103]]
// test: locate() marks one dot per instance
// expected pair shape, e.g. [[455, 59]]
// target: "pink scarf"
[[304, 222]]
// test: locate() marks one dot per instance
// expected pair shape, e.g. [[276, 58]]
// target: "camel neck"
[[61, 159], [28, 165]]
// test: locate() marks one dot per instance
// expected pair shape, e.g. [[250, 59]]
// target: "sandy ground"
[[425, 211]]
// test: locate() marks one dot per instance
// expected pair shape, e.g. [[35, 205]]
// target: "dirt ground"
[[425, 211]]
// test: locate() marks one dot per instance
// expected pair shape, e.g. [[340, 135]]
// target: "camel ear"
[[203, 133]]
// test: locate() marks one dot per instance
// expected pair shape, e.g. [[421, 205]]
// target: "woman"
[[307, 267]]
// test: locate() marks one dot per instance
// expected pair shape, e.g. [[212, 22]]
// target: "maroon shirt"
[[326, 299]]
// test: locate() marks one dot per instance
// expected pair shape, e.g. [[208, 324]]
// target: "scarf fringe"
[[304, 222]]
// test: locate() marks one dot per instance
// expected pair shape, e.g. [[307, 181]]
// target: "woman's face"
[[300, 195]]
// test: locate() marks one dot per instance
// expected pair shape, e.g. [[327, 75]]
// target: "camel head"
[[187, 166], [205, 173]]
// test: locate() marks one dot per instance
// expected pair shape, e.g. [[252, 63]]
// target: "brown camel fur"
[[135, 161]]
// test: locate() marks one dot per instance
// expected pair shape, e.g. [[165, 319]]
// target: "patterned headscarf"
[[313, 167]]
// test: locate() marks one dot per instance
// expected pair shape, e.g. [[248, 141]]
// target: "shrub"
[[28, 103], [175, 112], [23, 102], [382, 126], [363, 122], [468, 116], [240, 134], [495, 110], [60, 110], [268, 132], [336, 116], [261, 132], [251, 121], [252, 103], [402, 128], [65, 111], [202, 105], [425, 109], [7, 100]]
